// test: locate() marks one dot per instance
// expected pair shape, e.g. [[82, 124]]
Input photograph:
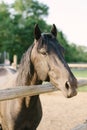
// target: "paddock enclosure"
[[59, 113]]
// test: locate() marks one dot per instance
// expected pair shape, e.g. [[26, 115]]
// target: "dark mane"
[[25, 68]]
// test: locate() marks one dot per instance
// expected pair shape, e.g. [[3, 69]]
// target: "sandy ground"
[[60, 113]]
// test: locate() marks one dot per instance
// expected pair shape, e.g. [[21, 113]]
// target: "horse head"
[[49, 64]]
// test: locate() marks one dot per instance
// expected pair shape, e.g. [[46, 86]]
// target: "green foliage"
[[30, 8], [64, 43], [80, 73], [73, 53], [16, 33]]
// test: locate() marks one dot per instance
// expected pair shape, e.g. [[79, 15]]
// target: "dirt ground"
[[60, 113]]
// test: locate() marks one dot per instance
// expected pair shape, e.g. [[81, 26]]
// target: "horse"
[[43, 61]]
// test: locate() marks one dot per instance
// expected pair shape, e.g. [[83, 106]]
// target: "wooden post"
[[14, 64]]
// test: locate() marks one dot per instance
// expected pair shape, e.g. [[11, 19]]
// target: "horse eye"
[[43, 51]]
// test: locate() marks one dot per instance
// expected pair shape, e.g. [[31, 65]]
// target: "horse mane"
[[26, 69]]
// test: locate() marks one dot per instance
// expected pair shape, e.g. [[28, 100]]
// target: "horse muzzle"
[[70, 90]]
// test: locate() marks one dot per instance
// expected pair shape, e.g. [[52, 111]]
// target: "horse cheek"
[[42, 70]]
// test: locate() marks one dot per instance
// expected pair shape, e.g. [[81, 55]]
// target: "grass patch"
[[80, 73], [82, 89]]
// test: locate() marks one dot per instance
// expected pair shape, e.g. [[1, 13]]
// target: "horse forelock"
[[50, 43]]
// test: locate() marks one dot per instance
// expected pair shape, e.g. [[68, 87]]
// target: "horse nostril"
[[67, 85]]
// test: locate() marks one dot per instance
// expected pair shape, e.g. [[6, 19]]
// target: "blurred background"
[[18, 17]]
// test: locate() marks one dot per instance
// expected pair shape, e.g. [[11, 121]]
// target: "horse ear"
[[37, 32], [54, 30]]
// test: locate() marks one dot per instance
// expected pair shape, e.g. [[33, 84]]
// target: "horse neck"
[[26, 73]]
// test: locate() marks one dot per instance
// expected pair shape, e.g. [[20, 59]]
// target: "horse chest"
[[30, 113]]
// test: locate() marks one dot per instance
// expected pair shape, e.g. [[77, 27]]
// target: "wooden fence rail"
[[22, 91], [77, 65], [82, 82]]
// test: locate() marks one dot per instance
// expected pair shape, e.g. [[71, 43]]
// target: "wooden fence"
[[82, 82], [21, 91], [76, 65]]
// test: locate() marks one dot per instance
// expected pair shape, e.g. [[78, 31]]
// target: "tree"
[[18, 27], [64, 43], [4, 22], [73, 53], [30, 8]]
